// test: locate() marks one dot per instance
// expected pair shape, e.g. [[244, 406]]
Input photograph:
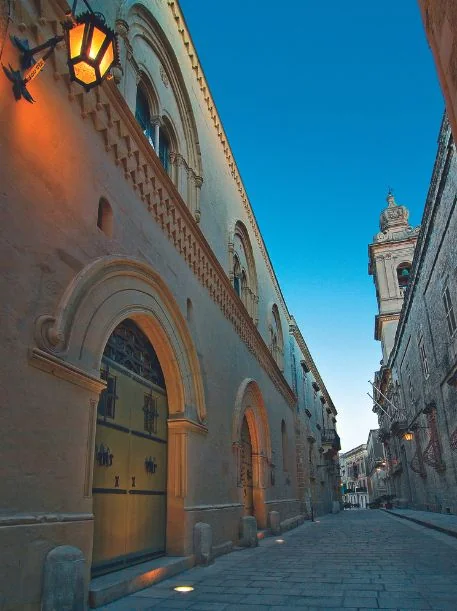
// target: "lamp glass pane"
[[85, 73], [107, 59], [76, 35], [98, 38]]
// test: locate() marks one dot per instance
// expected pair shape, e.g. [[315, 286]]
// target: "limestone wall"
[[66, 283]]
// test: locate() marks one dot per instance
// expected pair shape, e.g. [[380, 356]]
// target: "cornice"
[[185, 425], [382, 318], [56, 366], [199, 76], [296, 333], [127, 147]]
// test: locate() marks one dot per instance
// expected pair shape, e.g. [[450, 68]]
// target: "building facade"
[[376, 468], [152, 376], [354, 477], [440, 22], [415, 389]]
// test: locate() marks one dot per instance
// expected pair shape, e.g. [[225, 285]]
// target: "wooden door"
[[130, 471], [246, 469]]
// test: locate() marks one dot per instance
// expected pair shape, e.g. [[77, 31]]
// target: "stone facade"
[[415, 390], [440, 22], [376, 468], [354, 476], [98, 229]]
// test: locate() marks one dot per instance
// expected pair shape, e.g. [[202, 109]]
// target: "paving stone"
[[355, 560], [360, 603], [208, 606]]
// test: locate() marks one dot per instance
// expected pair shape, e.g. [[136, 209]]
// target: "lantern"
[[91, 48], [408, 436]]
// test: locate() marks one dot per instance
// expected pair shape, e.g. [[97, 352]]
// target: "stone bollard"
[[274, 522], [248, 532], [63, 585], [203, 543], [336, 507]]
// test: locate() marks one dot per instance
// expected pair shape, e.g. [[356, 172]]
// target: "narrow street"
[[352, 560]]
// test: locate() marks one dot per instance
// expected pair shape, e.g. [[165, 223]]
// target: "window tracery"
[[276, 337], [173, 130], [242, 269]]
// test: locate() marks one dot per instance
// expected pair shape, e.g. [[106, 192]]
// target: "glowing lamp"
[[408, 436], [92, 50], [183, 589]]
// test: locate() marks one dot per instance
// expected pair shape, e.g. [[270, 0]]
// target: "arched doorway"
[[246, 469], [130, 460], [100, 297], [252, 448]]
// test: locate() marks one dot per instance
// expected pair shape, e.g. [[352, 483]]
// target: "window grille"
[[423, 356], [151, 414], [107, 403], [449, 311]]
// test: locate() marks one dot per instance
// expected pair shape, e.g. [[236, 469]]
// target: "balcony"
[[330, 440], [399, 423]]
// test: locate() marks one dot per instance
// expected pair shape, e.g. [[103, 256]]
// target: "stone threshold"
[[111, 587], [427, 524]]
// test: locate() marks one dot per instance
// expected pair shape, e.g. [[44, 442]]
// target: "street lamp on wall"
[[91, 52], [408, 436], [92, 49]]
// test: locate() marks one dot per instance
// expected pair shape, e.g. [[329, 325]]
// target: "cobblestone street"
[[353, 560]]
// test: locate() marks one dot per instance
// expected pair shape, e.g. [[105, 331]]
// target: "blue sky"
[[325, 105]]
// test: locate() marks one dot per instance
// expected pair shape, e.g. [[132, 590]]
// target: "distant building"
[[354, 479], [415, 389], [376, 467]]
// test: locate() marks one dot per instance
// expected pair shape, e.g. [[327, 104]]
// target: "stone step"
[[107, 588]]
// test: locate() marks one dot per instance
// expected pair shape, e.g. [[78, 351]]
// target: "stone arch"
[[240, 249], [140, 22], [249, 404], [103, 294]]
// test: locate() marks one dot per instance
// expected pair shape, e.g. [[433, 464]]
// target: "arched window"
[[243, 272], [164, 149], [403, 273], [284, 445], [168, 99], [244, 289], [276, 337], [153, 126], [237, 276], [105, 217], [143, 114]]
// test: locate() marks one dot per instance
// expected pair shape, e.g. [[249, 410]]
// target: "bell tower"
[[390, 258]]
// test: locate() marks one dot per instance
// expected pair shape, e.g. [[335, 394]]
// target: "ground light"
[[91, 52], [280, 541], [183, 589]]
